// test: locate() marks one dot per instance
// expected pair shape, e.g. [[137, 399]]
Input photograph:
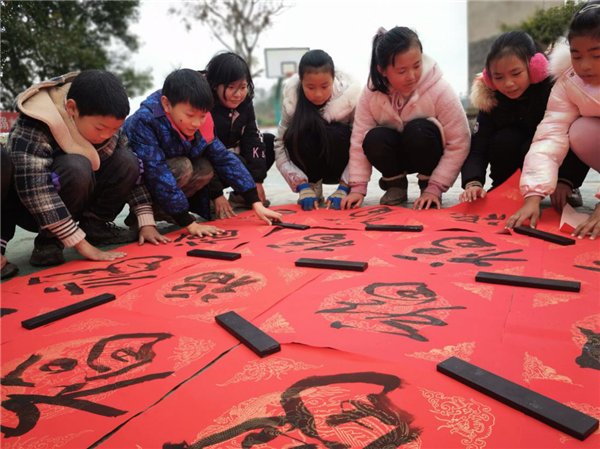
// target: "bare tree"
[[242, 21]]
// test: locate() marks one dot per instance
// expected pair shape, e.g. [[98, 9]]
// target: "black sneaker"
[[100, 233], [575, 199], [47, 252]]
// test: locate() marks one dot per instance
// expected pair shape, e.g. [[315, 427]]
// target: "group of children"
[[75, 157]]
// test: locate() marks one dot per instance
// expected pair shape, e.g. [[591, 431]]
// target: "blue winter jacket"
[[154, 140]]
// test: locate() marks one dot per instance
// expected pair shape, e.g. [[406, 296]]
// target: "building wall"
[[484, 21]]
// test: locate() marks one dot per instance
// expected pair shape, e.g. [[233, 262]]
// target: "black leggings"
[[417, 149], [323, 163]]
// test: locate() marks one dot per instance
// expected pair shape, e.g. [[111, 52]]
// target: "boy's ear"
[[164, 101], [71, 107]]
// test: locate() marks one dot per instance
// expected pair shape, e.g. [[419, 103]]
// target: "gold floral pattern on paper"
[[484, 291], [189, 349], [549, 299], [461, 350], [534, 369], [44, 442], [277, 324], [377, 262], [339, 275], [206, 317], [89, 325], [471, 420], [591, 322], [273, 367], [289, 275]]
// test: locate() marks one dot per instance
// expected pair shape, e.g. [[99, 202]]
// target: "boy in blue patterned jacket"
[[173, 134]]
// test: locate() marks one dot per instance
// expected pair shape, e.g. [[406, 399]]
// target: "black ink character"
[[594, 267], [300, 416], [224, 282], [122, 272], [108, 358], [590, 352], [379, 306], [194, 240], [483, 257], [316, 242]]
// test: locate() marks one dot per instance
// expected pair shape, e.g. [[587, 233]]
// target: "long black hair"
[[307, 119], [386, 45]]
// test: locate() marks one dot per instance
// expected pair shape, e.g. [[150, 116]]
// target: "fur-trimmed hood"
[[343, 100], [482, 97], [45, 102], [560, 60]]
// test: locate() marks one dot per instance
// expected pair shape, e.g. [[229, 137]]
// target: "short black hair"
[[188, 86], [98, 92], [586, 21], [226, 68], [517, 43]]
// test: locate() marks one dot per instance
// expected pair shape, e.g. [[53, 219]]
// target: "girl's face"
[[510, 76], [233, 94], [585, 57], [405, 71], [317, 87]]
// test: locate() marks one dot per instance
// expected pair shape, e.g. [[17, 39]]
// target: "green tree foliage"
[[43, 39], [240, 21], [546, 26]]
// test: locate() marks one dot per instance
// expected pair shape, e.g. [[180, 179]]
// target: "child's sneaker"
[[99, 232], [396, 191], [47, 252]]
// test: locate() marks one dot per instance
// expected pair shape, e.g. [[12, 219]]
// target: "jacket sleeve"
[[293, 175], [232, 170], [550, 144], [162, 185], [359, 167], [457, 138], [32, 154], [252, 147], [475, 165]]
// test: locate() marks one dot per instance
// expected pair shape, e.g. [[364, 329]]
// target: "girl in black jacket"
[[511, 95], [235, 126]]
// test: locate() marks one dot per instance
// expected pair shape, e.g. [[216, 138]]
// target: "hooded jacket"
[[154, 140], [44, 130], [497, 112], [569, 99], [340, 109], [433, 99]]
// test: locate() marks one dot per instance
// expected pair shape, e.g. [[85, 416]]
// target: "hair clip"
[[588, 8]]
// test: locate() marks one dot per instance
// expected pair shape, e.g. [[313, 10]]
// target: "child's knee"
[[583, 139]]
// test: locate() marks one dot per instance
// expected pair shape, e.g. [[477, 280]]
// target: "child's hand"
[[426, 200], [529, 211], [559, 197], [151, 235], [472, 193], [222, 208], [334, 201], [591, 225], [265, 214], [352, 201], [90, 252], [307, 198], [202, 230]]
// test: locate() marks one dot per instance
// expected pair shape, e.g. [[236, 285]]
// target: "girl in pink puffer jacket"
[[408, 120], [572, 118]]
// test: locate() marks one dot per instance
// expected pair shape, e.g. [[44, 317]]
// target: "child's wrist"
[[473, 184]]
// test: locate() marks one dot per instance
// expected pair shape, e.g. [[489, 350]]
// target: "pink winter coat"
[[433, 99], [569, 99]]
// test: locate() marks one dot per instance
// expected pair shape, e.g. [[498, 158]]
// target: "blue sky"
[[342, 28]]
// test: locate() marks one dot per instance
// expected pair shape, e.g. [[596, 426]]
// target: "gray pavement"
[[278, 192]]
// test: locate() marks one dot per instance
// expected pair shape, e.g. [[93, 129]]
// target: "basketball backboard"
[[283, 62]]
